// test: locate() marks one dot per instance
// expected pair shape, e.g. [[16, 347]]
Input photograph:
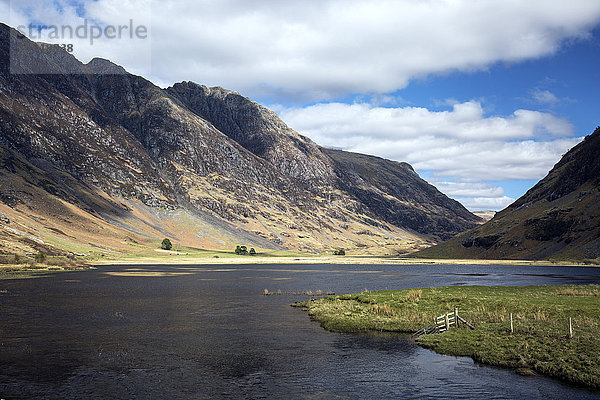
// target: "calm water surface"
[[206, 332]]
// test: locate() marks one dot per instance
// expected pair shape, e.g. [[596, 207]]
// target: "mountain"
[[558, 218], [90, 152]]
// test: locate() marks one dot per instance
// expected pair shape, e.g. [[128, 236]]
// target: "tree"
[[166, 244], [340, 252], [243, 251]]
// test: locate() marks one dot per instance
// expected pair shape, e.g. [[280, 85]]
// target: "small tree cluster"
[[243, 251], [340, 252]]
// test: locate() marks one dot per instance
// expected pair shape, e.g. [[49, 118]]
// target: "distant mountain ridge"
[[205, 166], [558, 218]]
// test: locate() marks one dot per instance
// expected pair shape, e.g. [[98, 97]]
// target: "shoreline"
[[540, 343], [20, 271], [165, 258], [181, 258]]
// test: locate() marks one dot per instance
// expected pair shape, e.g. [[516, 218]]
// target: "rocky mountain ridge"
[[205, 166], [558, 218]]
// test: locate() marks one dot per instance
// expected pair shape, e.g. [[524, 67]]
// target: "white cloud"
[[463, 148], [468, 189], [476, 196], [318, 49], [544, 97], [487, 203], [465, 121], [461, 142]]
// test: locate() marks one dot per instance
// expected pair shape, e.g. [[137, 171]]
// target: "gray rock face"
[[202, 148], [259, 130]]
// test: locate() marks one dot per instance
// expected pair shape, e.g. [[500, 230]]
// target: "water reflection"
[[151, 332]]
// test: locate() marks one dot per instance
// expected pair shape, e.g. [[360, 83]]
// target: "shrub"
[[252, 251], [40, 257], [340, 252]]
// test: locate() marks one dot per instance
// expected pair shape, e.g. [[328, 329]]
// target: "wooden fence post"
[[570, 328], [447, 322], [511, 324]]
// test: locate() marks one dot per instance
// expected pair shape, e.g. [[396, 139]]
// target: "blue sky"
[[564, 84], [481, 97]]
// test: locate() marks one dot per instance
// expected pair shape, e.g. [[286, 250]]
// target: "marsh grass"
[[540, 341]]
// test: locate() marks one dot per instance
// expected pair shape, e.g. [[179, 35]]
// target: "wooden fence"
[[443, 323]]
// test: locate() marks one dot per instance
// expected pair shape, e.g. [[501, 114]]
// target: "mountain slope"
[[558, 218], [204, 166], [404, 199], [394, 192]]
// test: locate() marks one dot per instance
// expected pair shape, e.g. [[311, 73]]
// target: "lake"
[[206, 332]]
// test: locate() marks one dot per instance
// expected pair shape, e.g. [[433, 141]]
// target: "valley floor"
[[28, 267], [215, 257]]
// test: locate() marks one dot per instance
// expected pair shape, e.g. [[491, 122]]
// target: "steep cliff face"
[[558, 218], [394, 192], [259, 130], [192, 156]]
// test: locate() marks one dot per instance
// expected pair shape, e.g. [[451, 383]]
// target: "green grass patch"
[[540, 341]]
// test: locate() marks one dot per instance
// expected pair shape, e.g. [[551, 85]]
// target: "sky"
[[482, 98]]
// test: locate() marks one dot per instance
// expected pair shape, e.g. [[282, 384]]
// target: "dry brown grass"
[[383, 309], [590, 290], [414, 295]]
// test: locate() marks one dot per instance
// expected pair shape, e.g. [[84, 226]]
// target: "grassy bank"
[[12, 266], [540, 341]]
